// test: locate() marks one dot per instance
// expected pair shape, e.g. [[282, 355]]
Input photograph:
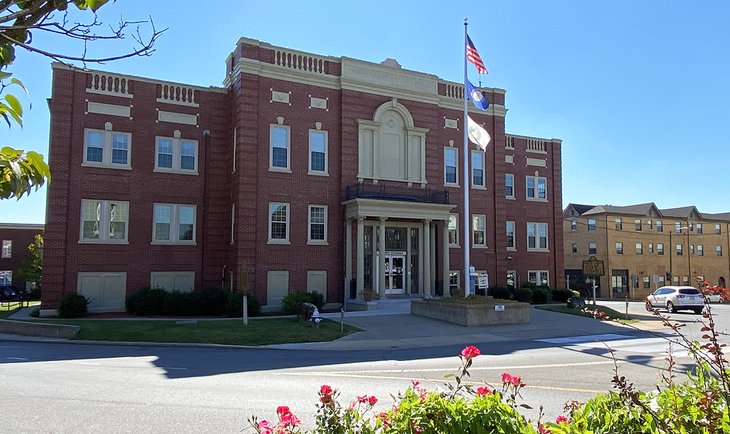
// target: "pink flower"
[[483, 390], [265, 427], [325, 390], [511, 379], [362, 399], [470, 352], [372, 400], [542, 429], [561, 419], [415, 383], [290, 420], [282, 410]]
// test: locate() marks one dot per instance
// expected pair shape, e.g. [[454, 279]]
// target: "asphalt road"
[[75, 388]]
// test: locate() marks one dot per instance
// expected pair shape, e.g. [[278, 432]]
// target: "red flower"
[[415, 383], [362, 399], [282, 410], [470, 352], [542, 429], [561, 419], [483, 390], [511, 379], [372, 400], [325, 390], [289, 420]]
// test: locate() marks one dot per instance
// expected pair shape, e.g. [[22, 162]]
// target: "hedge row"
[[210, 302]]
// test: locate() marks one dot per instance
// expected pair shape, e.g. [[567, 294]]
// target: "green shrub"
[[212, 302], [146, 301], [293, 302], [234, 305], [500, 292], [541, 295], [73, 306], [523, 294], [530, 285], [562, 295]]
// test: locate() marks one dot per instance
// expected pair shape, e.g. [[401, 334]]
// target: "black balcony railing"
[[389, 192]]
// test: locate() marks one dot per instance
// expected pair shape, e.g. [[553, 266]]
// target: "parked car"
[[714, 298], [675, 298], [7, 292]]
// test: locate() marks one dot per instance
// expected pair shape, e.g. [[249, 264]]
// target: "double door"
[[394, 274]]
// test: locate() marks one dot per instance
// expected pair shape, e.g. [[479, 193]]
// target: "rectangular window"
[[538, 277], [679, 249], [691, 249], [477, 169], [278, 223], [718, 231], [536, 187], [700, 250], [660, 249], [677, 226], [453, 230], [509, 185], [619, 248], [718, 250], [317, 224], [639, 249], [450, 166], [107, 148], [619, 224], [511, 235], [235, 144], [537, 236], [279, 148], [173, 223], [649, 224], [478, 230], [637, 224], [318, 152], [651, 247], [574, 248], [659, 226], [698, 226], [454, 283], [646, 282], [573, 225], [591, 224], [592, 248], [6, 277], [7, 249], [104, 221], [174, 154]]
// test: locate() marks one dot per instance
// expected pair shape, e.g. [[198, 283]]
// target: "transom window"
[[278, 223], [174, 223], [537, 236], [478, 230], [174, 154], [536, 187], [511, 235], [279, 149], [477, 169], [318, 224], [104, 221], [317, 152], [509, 185], [451, 171], [107, 148]]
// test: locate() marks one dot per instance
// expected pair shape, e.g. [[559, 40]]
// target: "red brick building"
[[293, 171], [14, 241]]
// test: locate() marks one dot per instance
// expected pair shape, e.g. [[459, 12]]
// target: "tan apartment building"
[[643, 247]]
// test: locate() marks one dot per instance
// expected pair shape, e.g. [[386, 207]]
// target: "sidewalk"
[[391, 326]]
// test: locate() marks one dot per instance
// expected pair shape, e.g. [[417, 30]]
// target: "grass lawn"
[[614, 314], [260, 331]]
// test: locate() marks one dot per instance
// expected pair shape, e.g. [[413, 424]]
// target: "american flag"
[[472, 55]]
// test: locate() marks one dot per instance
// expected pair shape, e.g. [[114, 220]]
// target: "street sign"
[[483, 281]]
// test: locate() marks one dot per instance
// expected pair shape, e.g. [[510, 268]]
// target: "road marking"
[[169, 368]]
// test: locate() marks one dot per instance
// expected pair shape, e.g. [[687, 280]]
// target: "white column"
[[407, 264], [432, 255], [445, 262], [426, 257], [381, 257], [421, 262], [360, 255], [348, 256]]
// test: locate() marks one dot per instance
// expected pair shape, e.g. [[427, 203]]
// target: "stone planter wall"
[[470, 315]]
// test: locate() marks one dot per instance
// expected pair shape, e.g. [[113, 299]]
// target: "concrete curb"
[[27, 328]]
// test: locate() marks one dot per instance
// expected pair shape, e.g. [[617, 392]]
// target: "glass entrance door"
[[394, 269]]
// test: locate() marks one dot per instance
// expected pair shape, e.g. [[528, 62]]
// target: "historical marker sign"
[[593, 267]]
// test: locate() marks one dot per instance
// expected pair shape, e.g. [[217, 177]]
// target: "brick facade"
[[15, 239], [234, 183]]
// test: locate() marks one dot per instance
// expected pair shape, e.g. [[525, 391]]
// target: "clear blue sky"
[[637, 90]]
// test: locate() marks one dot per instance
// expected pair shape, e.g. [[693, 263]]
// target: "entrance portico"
[[395, 251]]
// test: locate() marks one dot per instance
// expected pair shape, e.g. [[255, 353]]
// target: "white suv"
[[675, 298]]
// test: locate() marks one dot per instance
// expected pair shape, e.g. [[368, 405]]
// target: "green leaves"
[[90, 4], [21, 172], [10, 107]]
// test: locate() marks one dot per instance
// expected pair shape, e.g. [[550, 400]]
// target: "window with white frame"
[[646, 281], [619, 248], [592, 248], [639, 249], [278, 223], [538, 277], [591, 224], [700, 250], [7, 249], [175, 154], [573, 225], [318, 152], [619, 224], [317, 224], [107, 148], [691, 249], [651, 248], [718, 229], [660, 249], [677, 226], [279, 155], [536, 187], [454, 281], [477, 169], [478, 230], [698, 228], [659, 226], [637, 225], [509, 185], [104, 221], [649, 224], [6, 277], [173, 223], [679, 248], [453, 230], [511, 235], [451, 171], [537, 236], [718, 250]]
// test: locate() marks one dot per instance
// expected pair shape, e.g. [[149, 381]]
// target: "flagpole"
[[466, 238]]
